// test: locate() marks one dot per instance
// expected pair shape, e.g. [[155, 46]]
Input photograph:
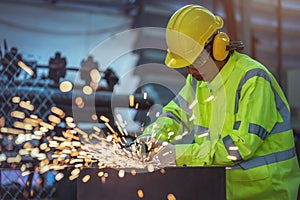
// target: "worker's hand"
[[143, 144], [160, 153], [163, 154], [147, 139]]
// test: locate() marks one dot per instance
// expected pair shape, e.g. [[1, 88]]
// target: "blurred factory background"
[[62, 40]]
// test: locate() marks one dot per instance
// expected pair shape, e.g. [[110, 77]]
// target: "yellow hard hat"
[[187, 32]]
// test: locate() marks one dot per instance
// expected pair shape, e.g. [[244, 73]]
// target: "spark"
[[54, 119], [11, 130], [121, 173], [44, 169], [95, 75], [166, 153], [43, 129], [178, 137], [46, 125], [16, 99], [162, 171], [71, 124], [87, 90], [94, 86], [86, 178], [43, 146], [131, 100], [32, 122], [22, 125], [165, 143], [109, 127], [59, 138], [120, 119], [120, 129], [150, 168], [2, 157], [133, 172], [16, 159], [26, 105], [75, 147], [140, 193], [26, 173], [170, 133], [79, 101], [96, 137], [25, 68], [72, 177], [58, 111], [59, 176], [101, 173], [104, 119], [65, 86], [157, 114], [33, 116], [103, 179], [18, 114], [171, 197], [94, 117], [69, 119]]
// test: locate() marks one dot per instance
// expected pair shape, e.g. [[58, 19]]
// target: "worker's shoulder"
[[245, 63]]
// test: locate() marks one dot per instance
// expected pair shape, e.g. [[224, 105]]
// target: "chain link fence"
[[19, 82]]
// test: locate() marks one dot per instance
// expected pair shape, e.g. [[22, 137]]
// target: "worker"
[[231, 112]]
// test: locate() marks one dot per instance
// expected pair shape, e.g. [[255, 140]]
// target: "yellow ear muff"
[[220, 46]]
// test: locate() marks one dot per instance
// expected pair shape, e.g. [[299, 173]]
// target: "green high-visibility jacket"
[[241, 120]]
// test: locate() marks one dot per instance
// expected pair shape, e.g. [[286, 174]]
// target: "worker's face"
[[204, 68], [195, 73]]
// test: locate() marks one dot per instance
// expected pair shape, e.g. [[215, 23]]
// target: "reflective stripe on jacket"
[[241, 120]]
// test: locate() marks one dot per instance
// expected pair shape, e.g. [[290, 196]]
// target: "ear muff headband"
[[235, 45]]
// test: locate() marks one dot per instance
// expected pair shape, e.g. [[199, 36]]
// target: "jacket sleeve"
[[174, 120], [255, 116]]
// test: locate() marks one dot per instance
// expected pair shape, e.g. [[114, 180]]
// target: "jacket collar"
[[224, 74]]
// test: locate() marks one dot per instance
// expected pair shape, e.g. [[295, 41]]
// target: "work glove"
[[142, 144], [160, 153]]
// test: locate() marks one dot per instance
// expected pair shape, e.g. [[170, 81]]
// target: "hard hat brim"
[[174, 61]]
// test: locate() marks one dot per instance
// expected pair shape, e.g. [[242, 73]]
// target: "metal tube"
[[230, 18], [279, 41]]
